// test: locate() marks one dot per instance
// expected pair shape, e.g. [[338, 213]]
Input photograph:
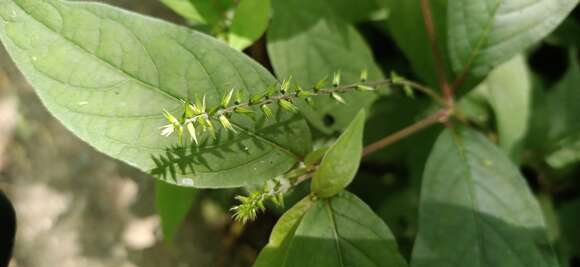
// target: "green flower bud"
[[320, 84], [362, 87], [267, 111], [285, 85], [226, 123], [191, 129], [226, 99], [287, 105], [256, 99], [364, 75], [243, 110], [336, 79], [239, 97], [170, 118], [337, 97]]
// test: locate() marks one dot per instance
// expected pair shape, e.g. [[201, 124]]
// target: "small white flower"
[[167, 130]]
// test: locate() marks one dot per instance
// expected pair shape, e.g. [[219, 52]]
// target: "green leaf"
[[569, 215], [250, 22], [563, 108], [341, 161], [364, 10], [172, 204], [477, 210], [307, 41], [201, 11], [408, 29], [108, 74], [276, 251], [484, 34], [510, 92], [340, 231]]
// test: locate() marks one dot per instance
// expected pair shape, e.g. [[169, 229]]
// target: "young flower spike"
[[226, 123], [267, 111], [336, 79], [338, 98], [287, 105]]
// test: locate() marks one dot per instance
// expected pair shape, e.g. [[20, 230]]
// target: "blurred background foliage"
[[77, 207]]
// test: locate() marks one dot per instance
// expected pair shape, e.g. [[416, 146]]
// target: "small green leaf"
[[341, 161], [250, 22], [172, 204], [477, 210], [337, 232]]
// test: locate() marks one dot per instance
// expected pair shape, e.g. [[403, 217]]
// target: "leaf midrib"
[[461, 150], [144, 83]]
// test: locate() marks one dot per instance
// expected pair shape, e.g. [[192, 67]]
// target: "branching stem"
[[439, 63], [440, 117]]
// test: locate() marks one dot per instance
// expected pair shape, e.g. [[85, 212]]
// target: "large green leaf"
[[250, 22], [107, 74], [408, 29], [476, 209], [172, 204], [510, 91], [341, 161], [308, 41], [340, 231], [484, 34]]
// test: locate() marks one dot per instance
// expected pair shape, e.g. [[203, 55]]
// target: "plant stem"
[[290, 96], [439, 65], [440, 117]]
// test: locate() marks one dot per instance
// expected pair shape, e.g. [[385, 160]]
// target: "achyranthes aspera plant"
[[196, 112]]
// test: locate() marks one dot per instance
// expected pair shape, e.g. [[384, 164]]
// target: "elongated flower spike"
[[226, 99], [336, 79], [267, 111], [337, 97], [364, 75], [226, 123], [287, 105]]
